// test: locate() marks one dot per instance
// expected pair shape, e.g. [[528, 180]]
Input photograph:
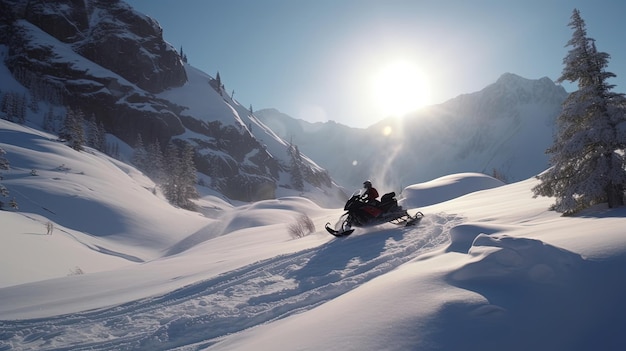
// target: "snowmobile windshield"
[[358, 192]]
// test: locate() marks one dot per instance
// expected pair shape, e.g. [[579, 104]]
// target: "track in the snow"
[[267, 290]]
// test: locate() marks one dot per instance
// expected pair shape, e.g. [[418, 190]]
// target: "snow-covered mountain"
[[111, 62], [506, 128], [92, 257]]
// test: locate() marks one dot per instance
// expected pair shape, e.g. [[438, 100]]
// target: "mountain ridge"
[[504, 128]]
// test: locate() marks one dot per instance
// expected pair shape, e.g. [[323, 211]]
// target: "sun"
[[400, 87]]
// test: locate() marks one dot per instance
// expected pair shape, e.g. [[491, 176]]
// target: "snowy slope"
[[90, 196], [488, 268]]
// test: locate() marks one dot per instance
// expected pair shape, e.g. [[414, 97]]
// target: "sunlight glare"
[[387, 131], [400, 87]]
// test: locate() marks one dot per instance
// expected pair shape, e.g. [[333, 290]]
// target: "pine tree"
[[8, 106], [297, 180], [188, 178], [4, 163], [183, 55], [587, 163], [48, 121], [172, 167], [73, 129], [140, 156], [94, 139], [21, 109], [180, 176], [218, 83], [103, 137], [155, 168]]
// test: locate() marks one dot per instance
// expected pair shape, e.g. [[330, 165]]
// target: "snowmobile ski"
[[413, 220], [338, 233]]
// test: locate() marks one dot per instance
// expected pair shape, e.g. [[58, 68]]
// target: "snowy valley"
[[488, 268], [94, 257]]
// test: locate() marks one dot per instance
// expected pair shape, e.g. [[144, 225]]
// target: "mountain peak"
[[510, 77]]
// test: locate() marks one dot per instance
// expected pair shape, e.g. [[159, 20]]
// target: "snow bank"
[[445, 188]]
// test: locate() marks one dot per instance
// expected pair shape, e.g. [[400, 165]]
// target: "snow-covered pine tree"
[[140, 156], [297, 179], [73, 129], [188, 178], [94, 138], [103, 137], [586, 157], [7, 105], [179, 185], [4, 163], [171, 181], [155, 168]]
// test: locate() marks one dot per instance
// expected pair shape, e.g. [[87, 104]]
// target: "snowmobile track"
[[203, 312]]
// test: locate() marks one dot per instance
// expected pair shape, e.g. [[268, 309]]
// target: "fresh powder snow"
[[487, 268]]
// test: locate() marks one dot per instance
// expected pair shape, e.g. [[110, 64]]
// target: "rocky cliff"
[[111, 62]]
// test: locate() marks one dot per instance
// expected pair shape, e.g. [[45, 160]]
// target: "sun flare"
[[400, 87]]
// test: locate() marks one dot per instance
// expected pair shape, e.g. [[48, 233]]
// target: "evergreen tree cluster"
[[96, 134], [149, 159], [296, 167], [39, 88], [73, 129], [14, 106], [175, 172], [180, 181], [587, 156], [77, 132]]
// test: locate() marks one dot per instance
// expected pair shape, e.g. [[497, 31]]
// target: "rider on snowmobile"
[[371, 193]]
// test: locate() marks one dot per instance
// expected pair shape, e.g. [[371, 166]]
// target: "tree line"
[[174, 170]]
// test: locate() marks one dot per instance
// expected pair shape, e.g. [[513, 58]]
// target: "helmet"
[[367, 184]]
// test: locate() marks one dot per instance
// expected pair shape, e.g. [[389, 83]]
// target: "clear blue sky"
[[314, 59]]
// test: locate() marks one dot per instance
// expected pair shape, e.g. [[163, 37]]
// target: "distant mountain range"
[[501, 130], [112, 63]]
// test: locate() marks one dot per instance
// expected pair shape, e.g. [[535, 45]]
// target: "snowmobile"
[[361, 213]]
